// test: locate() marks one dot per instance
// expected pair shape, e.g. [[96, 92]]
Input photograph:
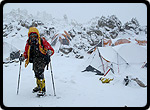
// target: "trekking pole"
[[19, 78], [52, 78]]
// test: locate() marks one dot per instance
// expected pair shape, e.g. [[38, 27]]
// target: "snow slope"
[[73, 88]]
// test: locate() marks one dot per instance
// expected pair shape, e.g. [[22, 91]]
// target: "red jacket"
[[46, 45]]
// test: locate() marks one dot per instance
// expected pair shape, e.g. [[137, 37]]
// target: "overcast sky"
[[83, 12]]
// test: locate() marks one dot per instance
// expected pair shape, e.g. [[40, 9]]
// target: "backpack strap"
[[42, 42]]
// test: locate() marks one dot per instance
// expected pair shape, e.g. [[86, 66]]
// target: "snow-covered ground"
[[73, 87]]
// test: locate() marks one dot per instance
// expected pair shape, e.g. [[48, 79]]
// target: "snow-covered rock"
[[83, 36]]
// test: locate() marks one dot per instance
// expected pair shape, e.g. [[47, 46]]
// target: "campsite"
[[99, 63], [72, 82]]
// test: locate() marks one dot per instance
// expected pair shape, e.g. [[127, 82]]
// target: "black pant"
[[38, 67], [39, 61]]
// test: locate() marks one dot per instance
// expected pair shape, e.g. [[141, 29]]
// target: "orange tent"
[[141, 42], [65, 37], [122, 41], [67, 34], [60, 39], [54, 37], [107, 42]]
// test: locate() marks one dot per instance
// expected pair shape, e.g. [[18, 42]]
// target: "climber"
[[37, 51]]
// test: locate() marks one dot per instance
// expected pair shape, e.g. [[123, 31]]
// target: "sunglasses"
[[33, 35]]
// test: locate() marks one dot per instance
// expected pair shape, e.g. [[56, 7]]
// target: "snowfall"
[[73, 87]]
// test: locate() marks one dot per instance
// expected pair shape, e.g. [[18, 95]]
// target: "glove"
[[21, 58], [49, 52]]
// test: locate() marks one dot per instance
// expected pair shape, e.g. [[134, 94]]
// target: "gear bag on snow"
[[92, 69]]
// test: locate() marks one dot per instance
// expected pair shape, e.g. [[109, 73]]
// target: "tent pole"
[[101, 59]]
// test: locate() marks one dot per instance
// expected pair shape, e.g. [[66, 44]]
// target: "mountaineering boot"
[[42, 90], [36, 89]]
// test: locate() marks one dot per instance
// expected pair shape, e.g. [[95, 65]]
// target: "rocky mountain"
[[83, 36]]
